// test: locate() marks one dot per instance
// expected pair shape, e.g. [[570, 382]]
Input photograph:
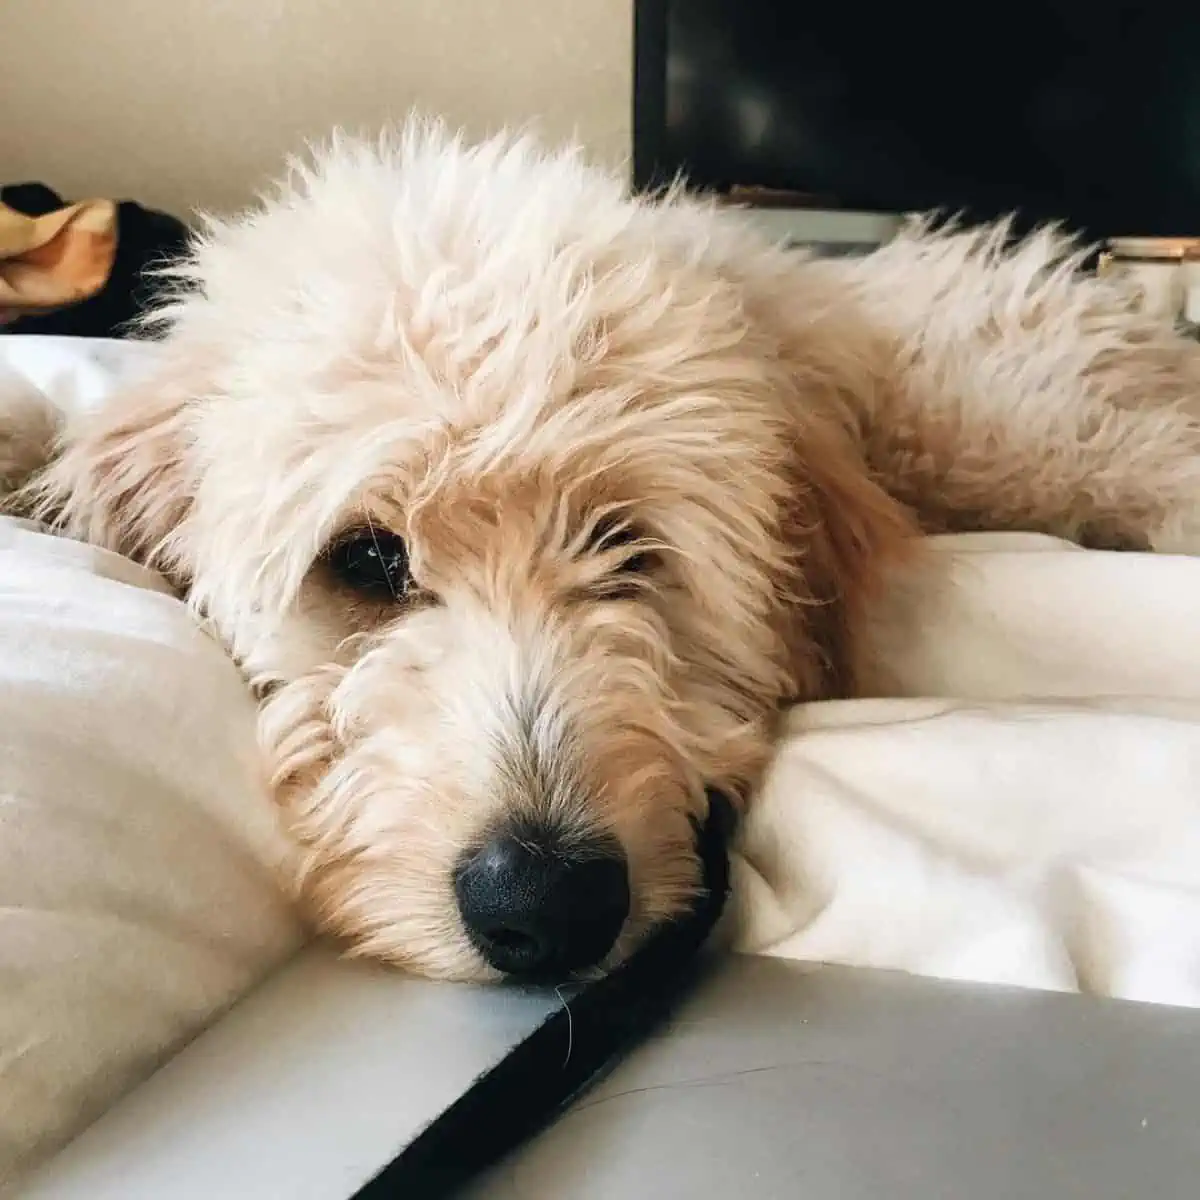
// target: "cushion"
[[139, 852]]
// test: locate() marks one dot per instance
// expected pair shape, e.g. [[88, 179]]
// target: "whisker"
[[570, 1023], [387, 570]]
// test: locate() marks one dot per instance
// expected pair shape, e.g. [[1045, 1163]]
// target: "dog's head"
[[492, 480]]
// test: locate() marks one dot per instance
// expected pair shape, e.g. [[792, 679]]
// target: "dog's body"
[[526, 506]]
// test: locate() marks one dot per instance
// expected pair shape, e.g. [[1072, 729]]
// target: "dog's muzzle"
[[536, 911]]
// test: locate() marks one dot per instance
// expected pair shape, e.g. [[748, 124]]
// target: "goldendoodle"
[[527, 505]]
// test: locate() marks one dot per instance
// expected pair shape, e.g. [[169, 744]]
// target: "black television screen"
[[1084, 111]]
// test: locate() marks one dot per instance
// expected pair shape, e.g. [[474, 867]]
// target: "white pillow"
[[138, 894]]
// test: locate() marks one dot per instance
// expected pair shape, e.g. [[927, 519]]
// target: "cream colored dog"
[[527, 505]]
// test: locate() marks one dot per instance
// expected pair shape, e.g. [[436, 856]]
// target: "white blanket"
[[1028, 810], [138, 892]]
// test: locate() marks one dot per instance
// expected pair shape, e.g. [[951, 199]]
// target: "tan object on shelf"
[[1156, 268]]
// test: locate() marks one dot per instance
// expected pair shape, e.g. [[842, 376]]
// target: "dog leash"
[[534, 1083]]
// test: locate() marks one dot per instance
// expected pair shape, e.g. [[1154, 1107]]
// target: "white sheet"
[[1029, 813], [138, 896], [1026, 810]]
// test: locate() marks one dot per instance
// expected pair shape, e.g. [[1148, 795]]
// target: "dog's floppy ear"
[[850, 532], [842, 529], [122, 478]]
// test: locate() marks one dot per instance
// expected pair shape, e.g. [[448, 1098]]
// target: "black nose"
[[539, 913]]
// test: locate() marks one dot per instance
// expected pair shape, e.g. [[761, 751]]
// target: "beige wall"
[[180, 103]]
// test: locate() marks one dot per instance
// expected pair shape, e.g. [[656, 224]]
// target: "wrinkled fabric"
[[140, 892], [1022, 804]]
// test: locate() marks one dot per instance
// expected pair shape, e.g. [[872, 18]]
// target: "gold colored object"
[[1191, 284], [1158, 271], [54, 260]]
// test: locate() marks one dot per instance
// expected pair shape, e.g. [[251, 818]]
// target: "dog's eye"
[[371, 561], [611, 534]]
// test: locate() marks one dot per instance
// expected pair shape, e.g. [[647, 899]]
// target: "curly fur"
[[486, 349]]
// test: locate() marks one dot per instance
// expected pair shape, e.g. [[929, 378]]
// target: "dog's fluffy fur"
[[491, 349]]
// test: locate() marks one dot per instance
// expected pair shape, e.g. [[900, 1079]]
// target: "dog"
[[527, 506]]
